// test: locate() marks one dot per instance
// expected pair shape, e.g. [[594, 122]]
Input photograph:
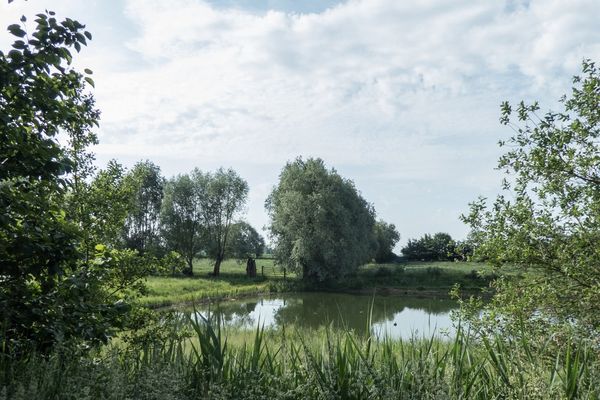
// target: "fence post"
[[284, 274], [262, 270]]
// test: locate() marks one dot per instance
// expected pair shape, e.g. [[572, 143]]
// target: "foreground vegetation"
[[298, 365]]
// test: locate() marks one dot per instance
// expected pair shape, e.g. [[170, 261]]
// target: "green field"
[[165, 290], [425, 278], [422, 276]]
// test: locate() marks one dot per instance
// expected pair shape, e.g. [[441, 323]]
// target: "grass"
[[305, 365], [165, 291], [436, 276], [420, 278]]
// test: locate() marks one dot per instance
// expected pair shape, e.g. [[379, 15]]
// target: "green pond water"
[[396, 317]]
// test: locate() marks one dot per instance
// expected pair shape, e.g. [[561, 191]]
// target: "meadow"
[[413, 278], [166, 290]]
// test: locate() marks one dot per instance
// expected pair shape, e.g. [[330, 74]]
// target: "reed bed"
[[290, 364]]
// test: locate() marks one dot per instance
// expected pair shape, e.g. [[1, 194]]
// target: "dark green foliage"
[[181, 215], [386, 237], [464, 250], [245, 242], [39, 95], [225, 194], [99, 205], [198, 211], [439, 247], [334, 365], [322, 227], [57, 287], [142, 227]]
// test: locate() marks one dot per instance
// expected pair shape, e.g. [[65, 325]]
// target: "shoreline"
[[425, 293]]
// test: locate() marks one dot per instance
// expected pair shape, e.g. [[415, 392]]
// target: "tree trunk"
[[217, 268], [190, 270], [250, 268]]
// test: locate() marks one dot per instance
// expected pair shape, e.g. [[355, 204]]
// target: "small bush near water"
[[335, 365]]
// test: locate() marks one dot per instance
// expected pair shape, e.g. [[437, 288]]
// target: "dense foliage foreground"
[[331, 365]]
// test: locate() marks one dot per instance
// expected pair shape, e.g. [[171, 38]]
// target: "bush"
[[439, 247]]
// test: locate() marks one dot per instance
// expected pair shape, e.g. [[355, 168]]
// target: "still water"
[[396, 317]]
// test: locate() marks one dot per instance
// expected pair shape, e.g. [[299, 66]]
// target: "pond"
[[394, 316]]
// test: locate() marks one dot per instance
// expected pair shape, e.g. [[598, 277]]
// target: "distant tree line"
[[189, 215], [437, 247]]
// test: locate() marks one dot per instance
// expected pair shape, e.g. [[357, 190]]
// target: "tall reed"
[[296, 364]]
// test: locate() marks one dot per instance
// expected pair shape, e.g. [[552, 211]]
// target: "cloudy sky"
[[400, 96]]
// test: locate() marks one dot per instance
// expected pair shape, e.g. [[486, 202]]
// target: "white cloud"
[[399, 95]]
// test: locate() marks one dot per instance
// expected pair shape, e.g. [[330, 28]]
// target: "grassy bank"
[[165, 290], [415, 278], [422, 276], [301, 365]]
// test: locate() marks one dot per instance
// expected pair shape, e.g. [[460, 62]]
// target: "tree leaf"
[[16, 30], [19, 44]]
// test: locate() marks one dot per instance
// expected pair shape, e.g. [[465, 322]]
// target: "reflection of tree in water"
[[314, 310], [234, 314]]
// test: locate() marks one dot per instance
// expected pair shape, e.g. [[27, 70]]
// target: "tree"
[[49, 291], [100, 208], [182, 215], [386, 237], [224, 196], [321, 226], [439, 247], [550, 222], [246, 243], [142, 227]]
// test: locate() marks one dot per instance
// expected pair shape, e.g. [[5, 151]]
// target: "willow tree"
[[225, 195], [142, 228], [321, 225], [386, 237], [182, 215]]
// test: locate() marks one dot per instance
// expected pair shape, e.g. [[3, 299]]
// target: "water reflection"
[[398, 317]]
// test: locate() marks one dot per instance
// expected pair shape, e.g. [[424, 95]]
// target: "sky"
[[402, 97]]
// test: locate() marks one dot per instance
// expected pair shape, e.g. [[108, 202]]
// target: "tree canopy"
[[182, 213], [386, 237], [142, 228], [321, 225], [245, 241], [225, 195], [439, 247], [58, 285], [549, 219]]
